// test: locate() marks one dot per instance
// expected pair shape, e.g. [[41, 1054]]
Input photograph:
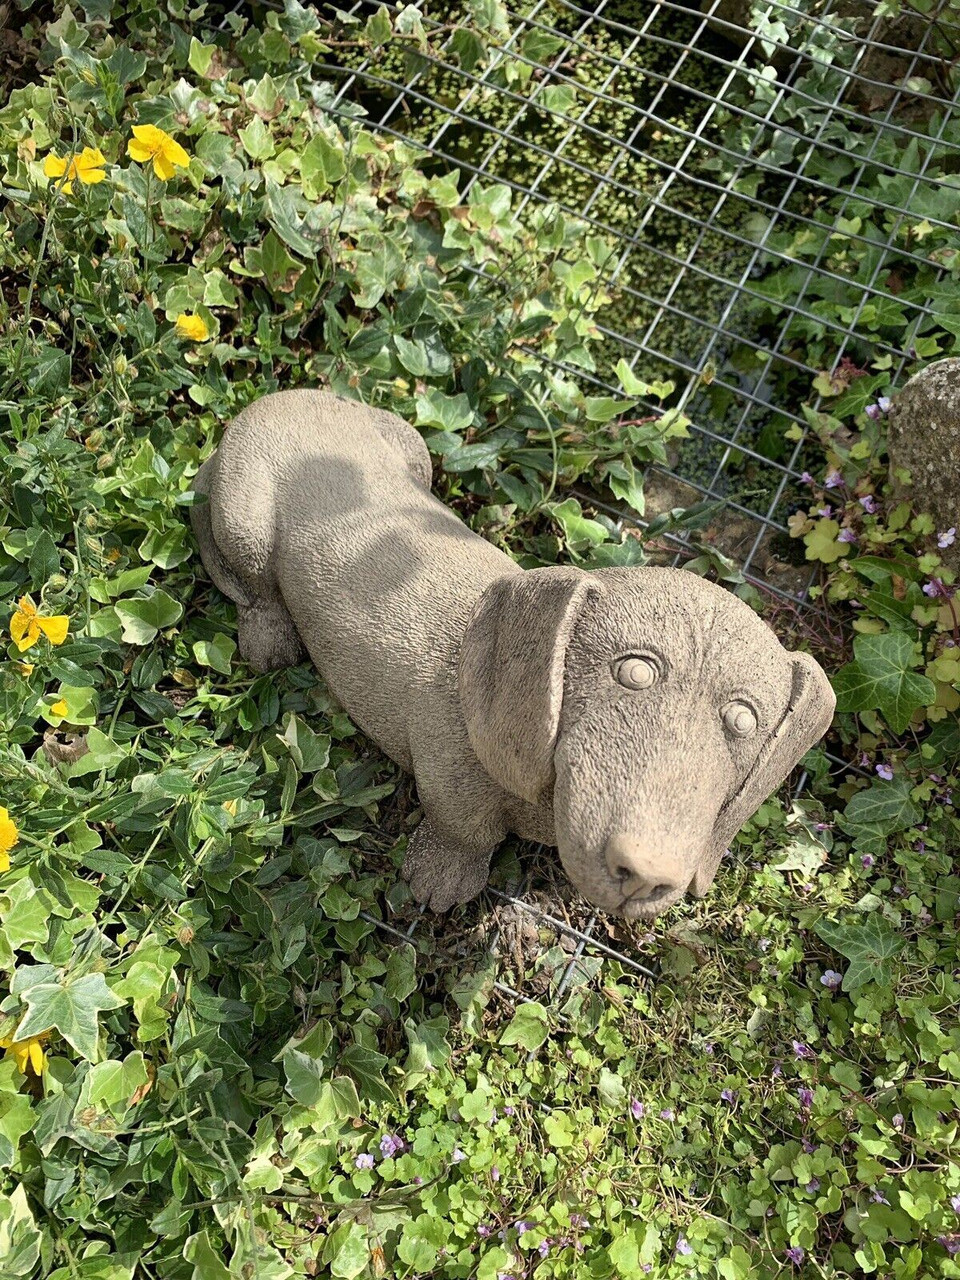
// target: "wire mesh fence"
[[755, 170]]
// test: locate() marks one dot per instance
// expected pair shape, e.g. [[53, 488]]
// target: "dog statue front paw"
[[440, 873]]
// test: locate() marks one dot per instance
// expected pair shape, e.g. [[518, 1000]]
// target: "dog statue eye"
[[739, 719], [636, 673]]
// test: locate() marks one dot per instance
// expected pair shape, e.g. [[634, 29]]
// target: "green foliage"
[[214, 1063]]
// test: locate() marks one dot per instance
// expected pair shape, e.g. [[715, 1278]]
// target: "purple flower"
[[794, 1254], [483, 1231], [579, 1220], [878, 1197], [808, 1146], [947, 539], [806, 477], [934, 588], [543, 1248], [950, 1243], [667, 1114], [390, 1144], [873, 411], [509, 1111], [955, 1204], [364, 1160], [813, 1186], [728, 1095], [831, 979], [495, 1173], [806, 1097], [801, 1050], [897, 1121], [764, 944], [708, 1047], [867, 861], [826, 512], [846, 535], [869, 503], [833, 480], [457, 1156], [885, 771], [520, 1226], [636, 1108], [683, 1245], [884, 403]]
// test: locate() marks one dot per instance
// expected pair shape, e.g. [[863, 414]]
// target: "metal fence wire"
[[751, 164]]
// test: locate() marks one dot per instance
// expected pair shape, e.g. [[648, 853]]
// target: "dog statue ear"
[[511, 673], [805, 721]]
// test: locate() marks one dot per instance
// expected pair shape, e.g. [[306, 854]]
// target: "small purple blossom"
[[866, 861], [806, 477], [777, 1071], [728, 1095], [885, 771], [543, 1248], [846, 535], [897, 1121], [683, 1245], [520, 1226], [579, 1220], [390, 1144], [955, 1204], [667, 1114], [509, 1111], [884, 402], [831, 979], [877, 1196], [936, 588], [950, 1243], [826, 511], [764, 944], [833, 480], [364, 1160], [636, 1108], [808, 1146], [873, 411], [806, 1097], [708, 1047], [948, 538], [458, 1155], [920, 846], [495, 1173], [483, 1231], [794, 1254], [869, 504], [813, 1186], [801, 1050]]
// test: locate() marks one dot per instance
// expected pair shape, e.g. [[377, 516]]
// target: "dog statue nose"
[[642, 873]]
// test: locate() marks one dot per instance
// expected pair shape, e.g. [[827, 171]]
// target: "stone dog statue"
[[634, 718]]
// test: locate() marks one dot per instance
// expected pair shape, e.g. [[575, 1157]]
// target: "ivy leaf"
[[880, 678], [869, 945], [142, 619], [885, 806], [528, 1027], [70, 1007], [822, 544]]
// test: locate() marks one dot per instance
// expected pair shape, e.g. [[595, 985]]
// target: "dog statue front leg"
[[444, 867]]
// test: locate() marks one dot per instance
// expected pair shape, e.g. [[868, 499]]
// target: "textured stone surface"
[[634, 718], [924, 439]]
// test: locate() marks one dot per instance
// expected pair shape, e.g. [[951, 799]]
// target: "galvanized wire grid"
[[680, 49]]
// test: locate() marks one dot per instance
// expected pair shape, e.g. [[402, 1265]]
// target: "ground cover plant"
[[215, 1061]]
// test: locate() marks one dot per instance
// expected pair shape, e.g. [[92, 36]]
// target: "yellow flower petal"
[[8, 833], [55, 629], [24, 631], [192, 327], [26, 605], [60, 708], [173, 152], [163, 168], [139, 151], [38, 1059], [54, 167], [4, 860], [26, 668]]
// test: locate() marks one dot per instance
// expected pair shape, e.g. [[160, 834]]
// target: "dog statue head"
[[656, 710]]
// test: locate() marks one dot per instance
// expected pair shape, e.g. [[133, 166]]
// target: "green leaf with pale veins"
[[869, 945], [880, 678], [884, 805], [71, 1007]]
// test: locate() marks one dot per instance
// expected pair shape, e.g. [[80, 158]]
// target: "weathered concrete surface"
[[633, 718], [924, 439]]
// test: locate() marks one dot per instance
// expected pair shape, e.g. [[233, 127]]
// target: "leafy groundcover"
[[215, 1063]]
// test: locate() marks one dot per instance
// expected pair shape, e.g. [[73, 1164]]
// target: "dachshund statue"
[[634, 718]]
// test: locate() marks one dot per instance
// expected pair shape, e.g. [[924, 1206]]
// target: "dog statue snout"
[[643, 874]]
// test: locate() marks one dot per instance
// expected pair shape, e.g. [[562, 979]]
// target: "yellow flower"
[[27, 1053], [60, 707], [8, 838], [150, 143], [26, 626], [192, 326], [26, 668], [87, 166]]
